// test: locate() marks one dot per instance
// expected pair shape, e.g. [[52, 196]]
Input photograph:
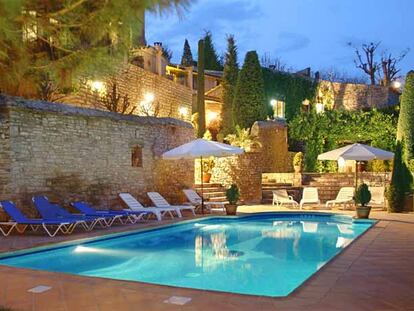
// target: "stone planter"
[[363, 211], [231, 209]]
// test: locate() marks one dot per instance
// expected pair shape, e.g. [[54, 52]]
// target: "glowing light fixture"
[[98, 86], [396, 84], [341, 162], [211, 116], [183, 111], [273, 102], [149, 97]]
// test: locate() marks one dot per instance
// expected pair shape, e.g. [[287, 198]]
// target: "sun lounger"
[[195, 200], [49, 210], [345, 197], [65, 226], [112, 216], [281, 197], [160, 202], [377, 196], [309, 196], [135, 206]]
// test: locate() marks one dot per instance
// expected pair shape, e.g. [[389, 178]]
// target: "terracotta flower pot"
[[231, 209], [206, 178], [363, 211]]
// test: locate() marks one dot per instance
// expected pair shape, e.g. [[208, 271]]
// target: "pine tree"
[[187, 58], [210, 55], [200, 91], [249, 100], [230, 74], [406, 118], [65, 40]]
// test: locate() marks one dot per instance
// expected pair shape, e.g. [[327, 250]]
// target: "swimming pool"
[[265, 254]]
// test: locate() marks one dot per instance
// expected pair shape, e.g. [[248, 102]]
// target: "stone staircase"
[[213, 192], [269, 185]]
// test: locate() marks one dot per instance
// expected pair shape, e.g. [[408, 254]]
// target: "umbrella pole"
[[202, 187], [356, 175]]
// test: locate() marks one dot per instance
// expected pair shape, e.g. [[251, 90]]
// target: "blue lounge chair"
[[88, 210], [65, 226], [53, 211]]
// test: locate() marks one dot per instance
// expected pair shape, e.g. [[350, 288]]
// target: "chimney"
[[158, 57]]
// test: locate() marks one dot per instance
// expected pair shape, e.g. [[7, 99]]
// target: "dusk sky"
[[301, 33]]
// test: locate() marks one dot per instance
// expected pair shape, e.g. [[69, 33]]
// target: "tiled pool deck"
[[375, 273]]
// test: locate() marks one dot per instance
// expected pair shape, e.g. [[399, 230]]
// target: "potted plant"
[[298, 162], [232, 195], [208, 166], [362, 198]]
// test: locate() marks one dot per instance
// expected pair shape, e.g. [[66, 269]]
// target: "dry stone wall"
[[71, 153], [351, 96], [136, 82]]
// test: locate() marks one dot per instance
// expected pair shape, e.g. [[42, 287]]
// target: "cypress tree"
[[230, 74], [249, 100], [200, 91], [211, 59], [187, 58], [406, 118], [401, 181]]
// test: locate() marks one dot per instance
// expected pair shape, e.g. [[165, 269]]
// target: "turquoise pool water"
[[267, 254]]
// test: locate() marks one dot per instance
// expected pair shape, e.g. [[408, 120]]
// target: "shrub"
[[298, 159], [363, 195], [233, 194], [406, 119], [243, 139], [395, 199]]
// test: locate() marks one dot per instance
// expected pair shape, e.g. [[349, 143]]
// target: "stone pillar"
[[189, 71], [158, 58]]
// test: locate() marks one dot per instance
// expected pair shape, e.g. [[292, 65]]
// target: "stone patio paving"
[[375, 273]]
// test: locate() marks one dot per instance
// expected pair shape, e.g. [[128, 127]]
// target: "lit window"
[[278, 108], [136, 158], [320, 108]]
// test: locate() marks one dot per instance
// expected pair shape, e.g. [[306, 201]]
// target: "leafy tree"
[[67, 39], [406, 119], [187, 58], [249, 99], [212, 61], [230, 74], [201, 109]]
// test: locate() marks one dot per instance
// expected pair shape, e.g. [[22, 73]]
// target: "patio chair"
[[160, 202], [195, 200], [113, 216], [135, 206], [49, 210], [309, 196], [281, 197], [345, 197], [64, 226], [377, 196]]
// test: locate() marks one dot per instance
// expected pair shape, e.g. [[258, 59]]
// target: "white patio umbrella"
[[200, 148], [357, 152]]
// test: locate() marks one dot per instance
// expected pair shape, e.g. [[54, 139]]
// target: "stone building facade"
[[170, 99], [352, 96], [71, 153]]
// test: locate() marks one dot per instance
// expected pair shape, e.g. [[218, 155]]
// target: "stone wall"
[[136, 82], [350, 96], [71, 153], [246, 170], [273, 137]]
